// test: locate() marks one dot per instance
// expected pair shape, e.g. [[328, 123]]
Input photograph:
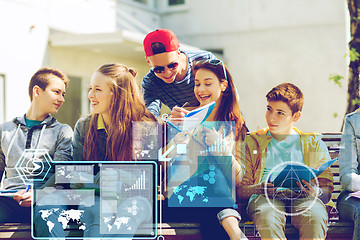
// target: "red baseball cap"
[[164, 36]]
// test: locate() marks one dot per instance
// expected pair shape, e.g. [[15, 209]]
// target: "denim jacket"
[[349, 153]]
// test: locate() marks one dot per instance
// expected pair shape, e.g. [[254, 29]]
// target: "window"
[[2, 98], [176, 2], [175, 5], [141, 1]]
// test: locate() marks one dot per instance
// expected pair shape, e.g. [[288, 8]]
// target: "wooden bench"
[[336, 229], [191, 231]]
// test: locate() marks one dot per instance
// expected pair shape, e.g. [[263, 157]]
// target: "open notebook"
[[294, 172], [197, 116]]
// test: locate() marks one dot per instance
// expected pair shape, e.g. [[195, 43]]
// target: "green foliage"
[[336, 79], [355, 101], [353, 54]]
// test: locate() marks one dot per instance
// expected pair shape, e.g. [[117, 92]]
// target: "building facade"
[[262, 42]]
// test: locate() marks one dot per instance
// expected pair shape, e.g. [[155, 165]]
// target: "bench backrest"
[[332, 141]]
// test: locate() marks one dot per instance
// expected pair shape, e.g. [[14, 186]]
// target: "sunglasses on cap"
[[215, 62], [161, 69]]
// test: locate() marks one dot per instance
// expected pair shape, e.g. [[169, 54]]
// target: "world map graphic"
[[190, 194], [64, 217]]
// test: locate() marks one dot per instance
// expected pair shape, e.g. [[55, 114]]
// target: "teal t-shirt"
[[287, 150], [278, 152], [32, 123]]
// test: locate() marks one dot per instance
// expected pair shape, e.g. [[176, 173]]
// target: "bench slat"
[[191, 231]]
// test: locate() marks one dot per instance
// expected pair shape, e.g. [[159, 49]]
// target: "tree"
[[354, 49]]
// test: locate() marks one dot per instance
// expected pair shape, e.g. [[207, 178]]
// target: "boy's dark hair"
[[158, 47], [288, 93], [42, 76]]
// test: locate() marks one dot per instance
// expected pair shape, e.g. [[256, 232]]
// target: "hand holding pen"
[[24, 197], [178, 113]]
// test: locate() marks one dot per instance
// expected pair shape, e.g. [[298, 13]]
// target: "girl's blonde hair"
[[126, 105]]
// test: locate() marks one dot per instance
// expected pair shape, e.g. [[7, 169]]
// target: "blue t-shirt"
[[287, 150], [32, 123], [278, 152]]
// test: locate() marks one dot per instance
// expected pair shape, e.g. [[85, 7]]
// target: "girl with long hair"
[[115, 103], [107, 134], [212, 153]]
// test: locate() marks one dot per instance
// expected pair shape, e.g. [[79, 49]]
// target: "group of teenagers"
[[195, 78]]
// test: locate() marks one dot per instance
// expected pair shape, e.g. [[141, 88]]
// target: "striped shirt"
[[156, 91]]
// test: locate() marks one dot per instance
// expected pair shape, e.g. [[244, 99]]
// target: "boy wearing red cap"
[[170, 79]]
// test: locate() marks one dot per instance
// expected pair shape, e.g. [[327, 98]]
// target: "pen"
[[185, 104], [171, 124], [27, 189]]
